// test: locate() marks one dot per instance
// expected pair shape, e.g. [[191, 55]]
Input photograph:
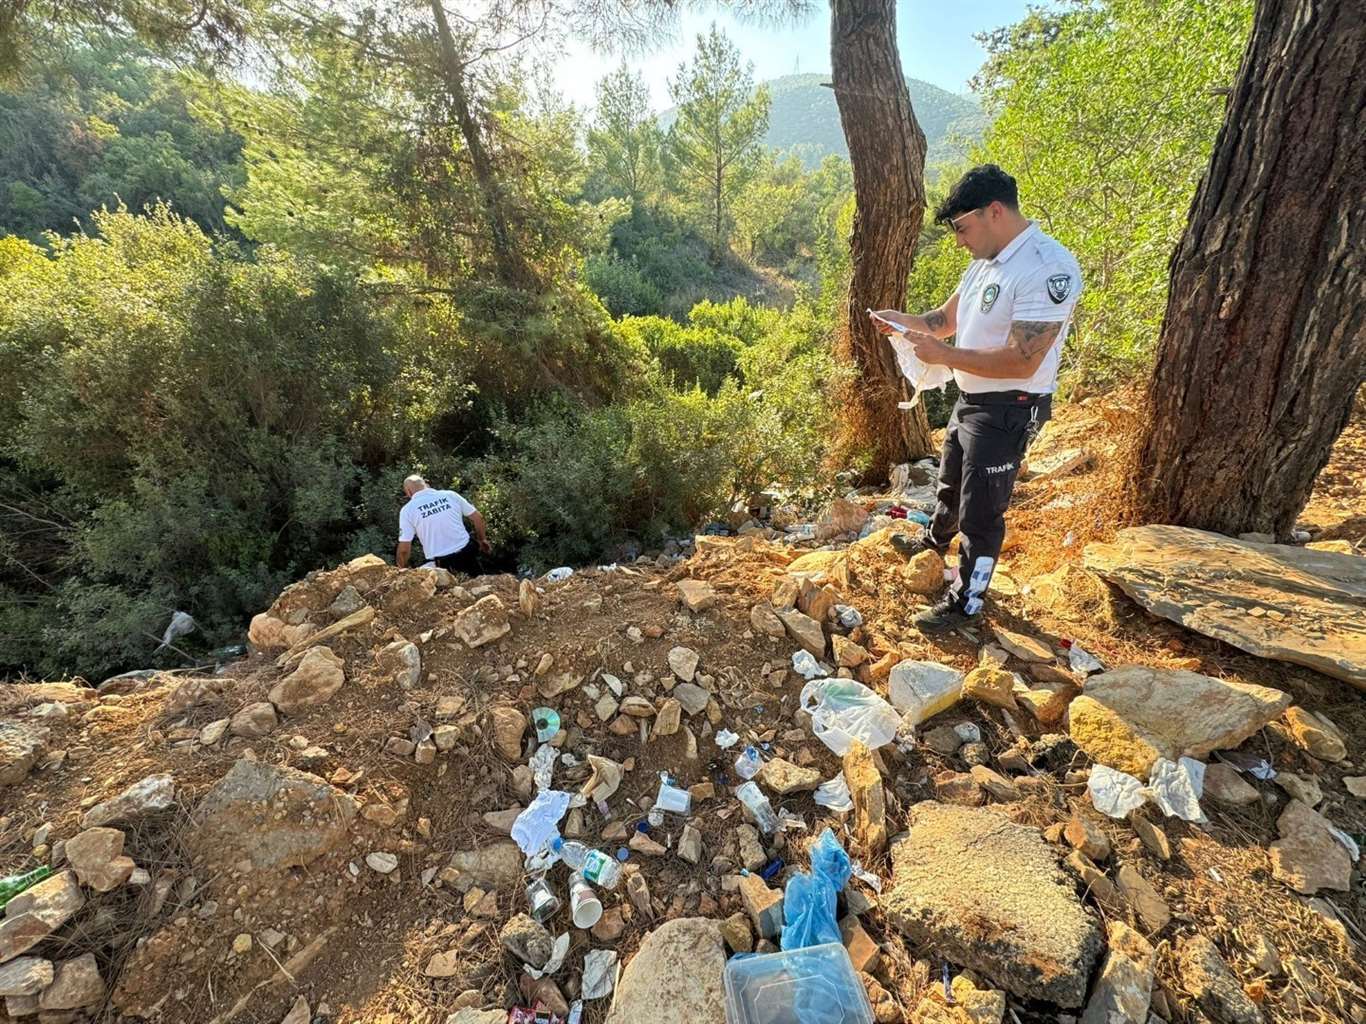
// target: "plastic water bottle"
[[594, 865], [747, 765], [753, 798]]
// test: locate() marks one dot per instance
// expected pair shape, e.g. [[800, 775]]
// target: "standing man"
[[437, 518], [1011, 313]]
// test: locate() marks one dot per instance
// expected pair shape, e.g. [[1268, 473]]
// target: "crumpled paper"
[[542, 765], [725, 739], [1114, 792], [1177, 787], [834, 794], [604, 781], [538, 825], [599, 973]]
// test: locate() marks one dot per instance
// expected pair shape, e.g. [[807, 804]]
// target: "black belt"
[[1003, 398]]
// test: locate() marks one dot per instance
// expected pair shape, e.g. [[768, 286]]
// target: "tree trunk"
[[887, 151], [1263, 345], [511, 268]]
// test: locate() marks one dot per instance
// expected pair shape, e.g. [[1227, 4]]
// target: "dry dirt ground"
[[166, 950]]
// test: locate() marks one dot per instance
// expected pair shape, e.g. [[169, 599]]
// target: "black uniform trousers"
[[986, 440]]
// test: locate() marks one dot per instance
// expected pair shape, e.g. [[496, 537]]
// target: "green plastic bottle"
[[15, 884]]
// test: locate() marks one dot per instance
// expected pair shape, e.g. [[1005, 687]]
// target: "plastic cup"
[[584, 906]]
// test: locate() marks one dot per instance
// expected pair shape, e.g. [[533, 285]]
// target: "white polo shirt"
[[438, 520], [1032, 278]]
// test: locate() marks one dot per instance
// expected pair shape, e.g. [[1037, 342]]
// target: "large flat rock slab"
[[1292, 604], [989, 894]]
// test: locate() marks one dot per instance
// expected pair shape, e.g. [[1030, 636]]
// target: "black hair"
[[981, 186]]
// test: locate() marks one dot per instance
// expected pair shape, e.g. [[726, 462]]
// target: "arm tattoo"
[[1032, 337], [935, 320]]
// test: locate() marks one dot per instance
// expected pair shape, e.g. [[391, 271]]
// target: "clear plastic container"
[[753, 798], [747, 765], [813, 985]]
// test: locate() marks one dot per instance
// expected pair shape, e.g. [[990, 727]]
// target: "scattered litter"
[[542, 901], [809, 901], [599, 973], [538, 825], [181, 623], [866, 877], [1177, 788], [1082, 660], [922, 376], [1214, 874], [603, 782], [1113, 792], [1346, 841], [1252, 763], [1069, 540], [849, 617], [558, 575], [834, 794], [543, 766], [558, 952], [843, 711], [802, 531], [789, 822], [754, 800], [670, 798], [806, 666], [585, 909], [771, 869], [546, 722], [725, 739], [747, 765], [922, 689]]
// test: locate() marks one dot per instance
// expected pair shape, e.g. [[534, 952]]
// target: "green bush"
[[621, 286], [688, 356]]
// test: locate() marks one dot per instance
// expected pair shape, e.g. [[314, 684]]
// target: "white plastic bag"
[[922, 375], [834, 794], [843, 711], [1176, 787], [1114, 792], [538, 825]]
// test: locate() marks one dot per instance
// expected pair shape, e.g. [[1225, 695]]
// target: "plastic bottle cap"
[[623, 854], [557, 844]]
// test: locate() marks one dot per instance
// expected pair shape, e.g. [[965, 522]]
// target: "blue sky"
[[935, 38]]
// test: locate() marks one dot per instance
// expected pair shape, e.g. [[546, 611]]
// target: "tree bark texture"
[[1263, 344], [511, 268], [887, 151]]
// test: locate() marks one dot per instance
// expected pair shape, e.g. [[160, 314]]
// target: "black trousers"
[[987, 437], [465, 560]]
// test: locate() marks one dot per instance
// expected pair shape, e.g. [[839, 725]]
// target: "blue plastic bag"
[[809, 904]]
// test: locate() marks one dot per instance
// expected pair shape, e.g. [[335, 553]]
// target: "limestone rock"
[[693, 698], [863, 951], [1128, 717], [1313, 734], [806, 631], [1026, 648], [527, 599], [690, 844], [151, 795], [784, 777], [1048, 701], [1216, 989], [997, 786], [765, 620], [1123, 989], [21, 744], [924, 573], [1308, 857], [508, 725], [401, 663], [1304, 788], [988, 894], [752, 853], [1148, 904], [482, 622], [669, 718], [735, 930], [1209, 582], [847, 653], [96, 855], [992, 686], [971, 1005], [254, 720], [317, 679], [696, 595], [26, 976], [1224, 785], [764, 905], [653, 988], [274, 816], [683, 663], [1085, 835], [76, 983], [527, 940], [1153, 838], [37, 912], [865, 789], [958, 788], [493, 866], [266, 632], [840, 516]]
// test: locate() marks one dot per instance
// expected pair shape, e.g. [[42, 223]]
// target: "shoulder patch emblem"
[[989, 294], [1059, 287]]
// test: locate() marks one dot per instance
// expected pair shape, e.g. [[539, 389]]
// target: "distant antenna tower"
[[797, 65]]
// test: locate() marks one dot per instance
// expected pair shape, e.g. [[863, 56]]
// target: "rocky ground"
[[321, 832]]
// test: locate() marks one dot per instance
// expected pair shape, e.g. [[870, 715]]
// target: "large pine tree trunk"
[[1264, 341], [887, 151], [512, 269]]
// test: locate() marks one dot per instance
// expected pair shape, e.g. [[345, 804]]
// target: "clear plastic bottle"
[[747, 765], [595, 866], [753, 798]]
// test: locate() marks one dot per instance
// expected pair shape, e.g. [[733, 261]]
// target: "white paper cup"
[[584, 906]]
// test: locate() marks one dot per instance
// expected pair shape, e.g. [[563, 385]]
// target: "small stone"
[[1086, 836], [784, 777], [399, 746], [1308, 857], [253, 721], [847, 653], [1224, 785], [214, 731], [1026, 648], [975, 754], [25, 976], [863, 951], [765, 621], [610, 926], [736, 931], [752, 854], [1356, 785], [502, 821], [241, 944], [1152, 910], [1263, 955], [96, 855], [992, 686], [508, 725], [400, 662], [1304, 788], [482, 622], [316, 680], [527, 940], [683, 663], [444, 965], [693, 698], [690, 845], [764, 906], [806, 631], [865, 790], [696, 595], [1123, 989], [958, 788], [1216, 989], [668, 719], [1314, 734], [382, 862], [1152, 836], [638, 891], [642, 843], [943, 739], [997, 786]]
